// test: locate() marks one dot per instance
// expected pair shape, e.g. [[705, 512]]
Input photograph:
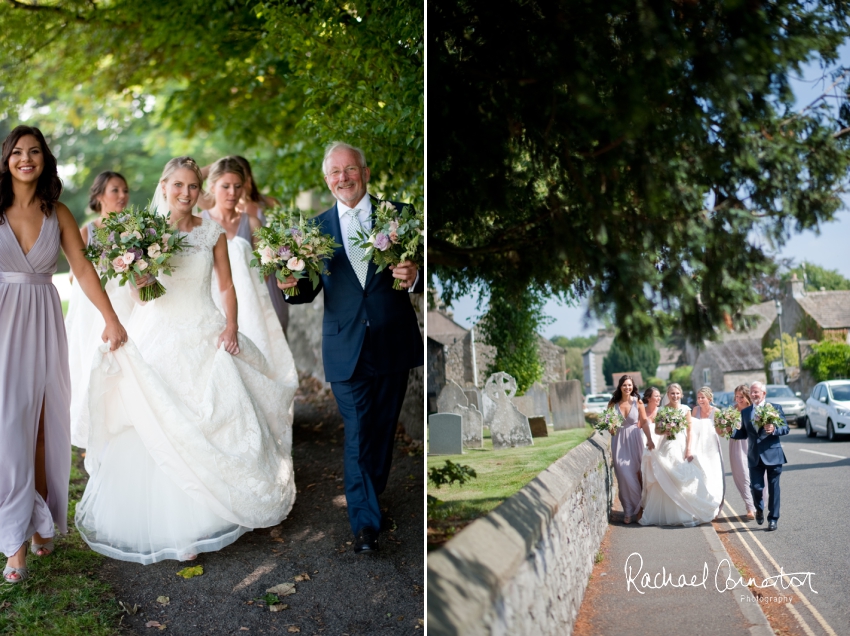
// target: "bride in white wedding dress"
[[683, 482], [190, 442]]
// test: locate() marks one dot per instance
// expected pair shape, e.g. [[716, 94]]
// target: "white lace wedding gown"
[[677, 492], [189, 446]]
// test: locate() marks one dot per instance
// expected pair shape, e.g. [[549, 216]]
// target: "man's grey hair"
[[341, 145], [760, 385]]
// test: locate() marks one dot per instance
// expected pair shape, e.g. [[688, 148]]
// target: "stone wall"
[[552, 358], [523, 568]]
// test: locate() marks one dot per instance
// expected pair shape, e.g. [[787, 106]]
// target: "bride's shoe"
[[42, 549], [188, 557]]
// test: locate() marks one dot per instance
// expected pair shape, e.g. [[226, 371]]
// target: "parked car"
[[791, 403], [829, 409], [596, 402], [724, 399]]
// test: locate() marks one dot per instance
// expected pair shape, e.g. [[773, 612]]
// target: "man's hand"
[[289, 283], [406, 272], [768, 428]]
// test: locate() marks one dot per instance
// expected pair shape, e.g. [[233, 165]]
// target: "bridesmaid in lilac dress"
[[627, 446], [35, 446]]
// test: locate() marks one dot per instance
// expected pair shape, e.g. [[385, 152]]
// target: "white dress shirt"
[[365, 217]]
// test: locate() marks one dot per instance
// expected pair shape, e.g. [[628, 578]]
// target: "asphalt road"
[[814, 528], [345, 593]]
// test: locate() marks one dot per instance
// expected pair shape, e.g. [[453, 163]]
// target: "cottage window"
[[706, 376]]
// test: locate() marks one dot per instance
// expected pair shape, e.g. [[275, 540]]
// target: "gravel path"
[[345, 593]]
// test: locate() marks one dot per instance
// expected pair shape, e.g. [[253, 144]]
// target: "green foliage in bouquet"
[[727, 421], [669, 422], [610, 420], [135, 242], [292, 245], [768, 414], [395, 237]]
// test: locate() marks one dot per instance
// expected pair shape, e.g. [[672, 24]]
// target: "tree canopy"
[[275, 80], [646, 154], [817, 278], [633, 356]]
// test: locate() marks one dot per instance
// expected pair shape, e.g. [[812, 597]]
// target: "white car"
[[596, 402], [829, 409]]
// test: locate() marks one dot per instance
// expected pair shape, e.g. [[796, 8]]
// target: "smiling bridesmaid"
[[35, 445], [627, 446]]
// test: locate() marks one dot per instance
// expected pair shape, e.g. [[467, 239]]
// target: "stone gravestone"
[[524, 405], [452, 399], [445, 434], [538, 427], [509, 427], [567, 405], [473, 427], [473, 395], [540, 397], [488, 409]]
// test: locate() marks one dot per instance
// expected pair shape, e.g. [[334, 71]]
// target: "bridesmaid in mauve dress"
[[627, 446], [35, 445]]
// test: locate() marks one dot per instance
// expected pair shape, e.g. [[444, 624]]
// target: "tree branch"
[[46, 8]]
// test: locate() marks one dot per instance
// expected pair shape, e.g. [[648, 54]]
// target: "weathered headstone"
[[567, 405], [488, 408], [538, 427], [509, 427], [524, 405], [473, 427], [451, 397], [540, 396], [445, 434], [474, 397]]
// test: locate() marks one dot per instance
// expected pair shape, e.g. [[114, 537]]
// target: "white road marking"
[[805, 450], [815, 613], [799, 618]]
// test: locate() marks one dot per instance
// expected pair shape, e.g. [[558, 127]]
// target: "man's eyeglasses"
[[349, 171]]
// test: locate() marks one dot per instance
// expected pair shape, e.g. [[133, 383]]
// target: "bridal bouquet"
[[610, 420], [131, 243], [727, 421], [395, 237], [292, 245], [670, 421], [768, 414]]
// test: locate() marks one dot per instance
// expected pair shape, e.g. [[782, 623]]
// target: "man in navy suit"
[[765, 454], [370, 339]]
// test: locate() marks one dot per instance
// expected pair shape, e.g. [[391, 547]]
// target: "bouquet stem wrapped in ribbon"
[[292, 246], [135, 242], [395, 237], [610, 420], [669, 422], [727, 421]]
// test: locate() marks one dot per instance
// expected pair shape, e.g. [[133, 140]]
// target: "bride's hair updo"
[[182, 162], [675, 385], [707, 392], [226, 165], [647, 395]]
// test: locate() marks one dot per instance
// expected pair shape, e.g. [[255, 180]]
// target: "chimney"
[[796, 287]]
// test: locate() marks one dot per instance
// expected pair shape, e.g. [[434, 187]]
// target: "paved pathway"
[[345, 593]]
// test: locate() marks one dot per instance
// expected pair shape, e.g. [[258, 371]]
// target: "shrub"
[[829, 360]]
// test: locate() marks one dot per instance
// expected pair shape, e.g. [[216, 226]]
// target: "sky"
[[826, 248]]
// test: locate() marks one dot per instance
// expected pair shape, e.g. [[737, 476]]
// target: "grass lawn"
[[500, 475], [64, 307], [63, 594]]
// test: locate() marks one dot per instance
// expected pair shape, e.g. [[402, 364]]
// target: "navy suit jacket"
[[394, 331], [766, 447]]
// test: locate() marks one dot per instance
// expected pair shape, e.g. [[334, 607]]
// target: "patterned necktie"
[[355, 252]]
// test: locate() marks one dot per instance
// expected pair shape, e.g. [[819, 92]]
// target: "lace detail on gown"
[[180, 424]]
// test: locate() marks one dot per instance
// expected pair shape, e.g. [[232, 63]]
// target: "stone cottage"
[[737, 358], [594, 379]]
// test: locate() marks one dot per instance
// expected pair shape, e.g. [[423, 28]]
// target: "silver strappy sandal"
[[23, 574], [48, 547]]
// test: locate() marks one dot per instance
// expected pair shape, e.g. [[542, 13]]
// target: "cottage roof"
[[737, 355], [443, 329], [669, 355], [766, 314], [602, 346], [830, 309]]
